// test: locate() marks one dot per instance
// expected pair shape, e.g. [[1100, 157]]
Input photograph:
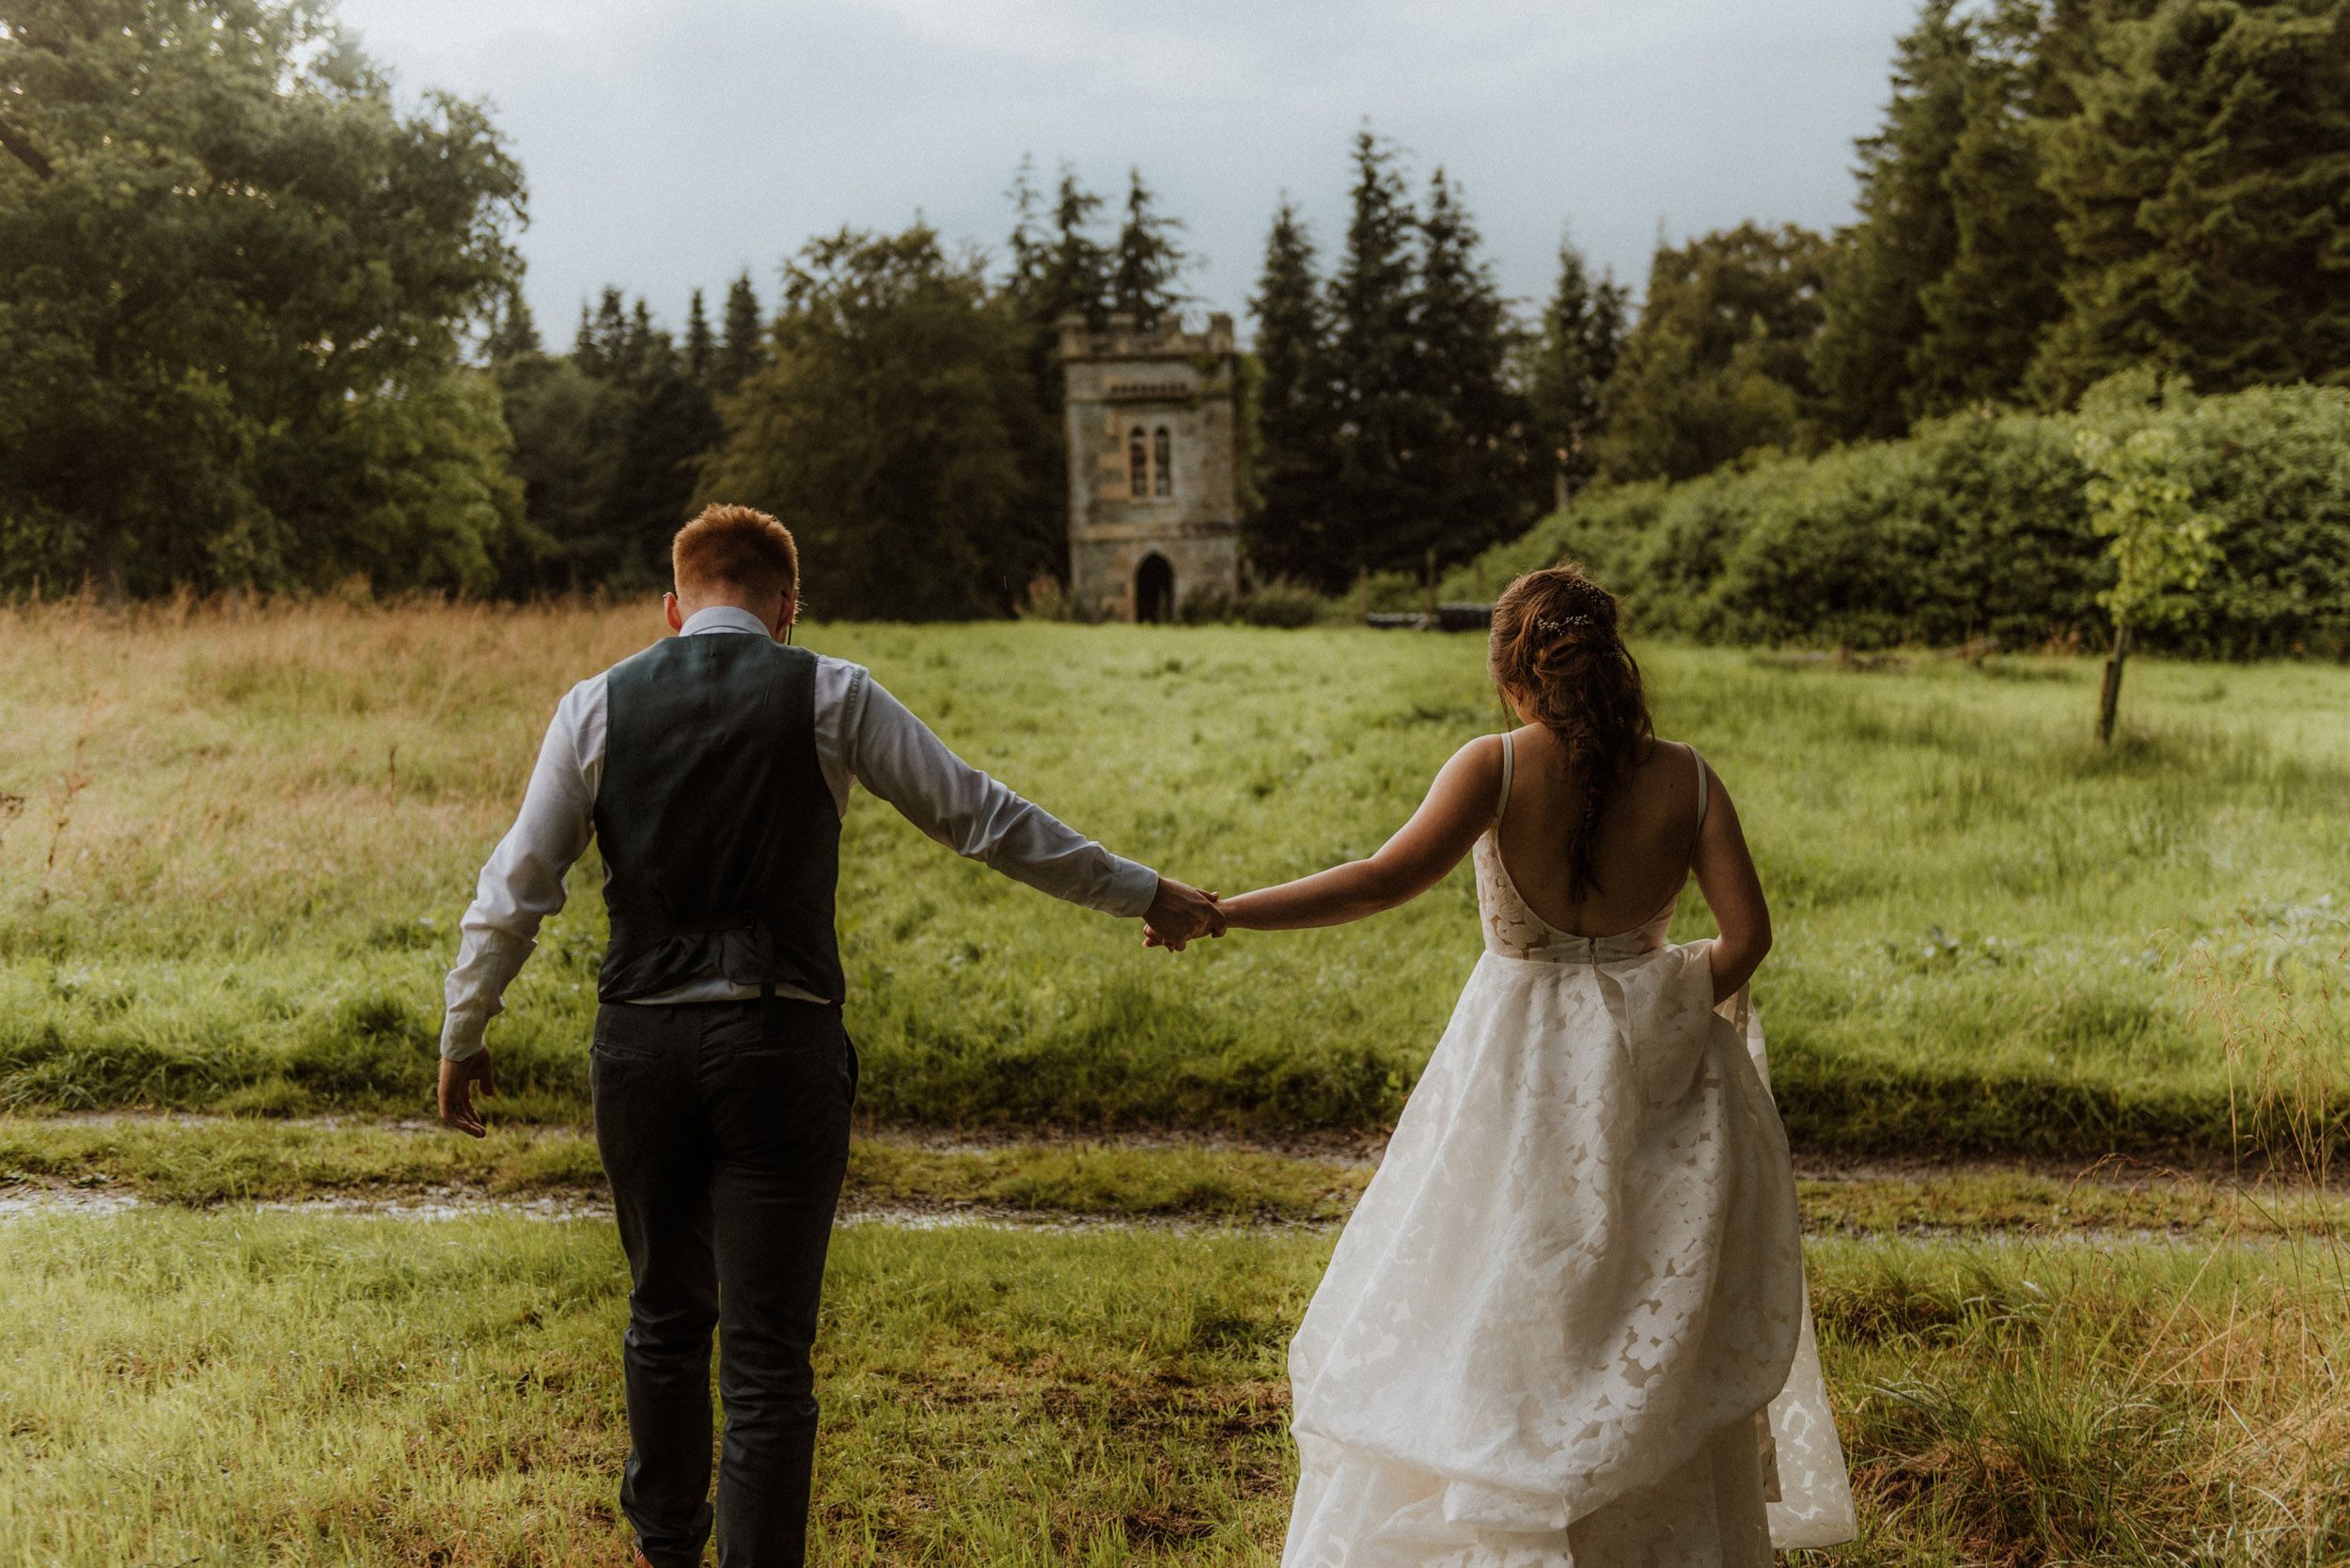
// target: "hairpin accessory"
[[1552, 626]]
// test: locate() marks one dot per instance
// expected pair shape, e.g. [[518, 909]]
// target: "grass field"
[[291, 1389], [233, 851]]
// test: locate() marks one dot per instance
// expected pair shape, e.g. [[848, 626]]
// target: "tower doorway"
[[1154, 590]]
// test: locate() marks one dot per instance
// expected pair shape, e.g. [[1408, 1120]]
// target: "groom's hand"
[[457, 1081], [1179, 913]]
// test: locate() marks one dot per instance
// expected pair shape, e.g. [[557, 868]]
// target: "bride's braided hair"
[[1556, 643]]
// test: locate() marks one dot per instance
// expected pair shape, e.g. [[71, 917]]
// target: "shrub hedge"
[[1974, 526]]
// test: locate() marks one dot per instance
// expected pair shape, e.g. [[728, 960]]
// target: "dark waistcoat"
[[721, 841]]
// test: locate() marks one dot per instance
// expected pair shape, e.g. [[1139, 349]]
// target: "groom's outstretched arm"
[[521, 885], [896, 756]]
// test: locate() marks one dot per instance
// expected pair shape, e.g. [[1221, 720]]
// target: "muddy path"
[[913, 1178]]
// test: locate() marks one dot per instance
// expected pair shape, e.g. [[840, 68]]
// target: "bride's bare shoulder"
[[1481, 753], [1667, 751], [1475, 766]]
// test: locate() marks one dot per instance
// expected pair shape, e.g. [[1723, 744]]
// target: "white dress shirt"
[[863, 735]]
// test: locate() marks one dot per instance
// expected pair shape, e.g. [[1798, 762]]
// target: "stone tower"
[[1154, 508]]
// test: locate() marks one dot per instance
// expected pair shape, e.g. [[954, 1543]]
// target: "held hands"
[[1178, 913], [457, 1081]]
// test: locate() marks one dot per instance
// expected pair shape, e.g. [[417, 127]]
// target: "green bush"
[[1975, 525], [1388, 591], [1207, 606], [1274, 602], [1282, 604]]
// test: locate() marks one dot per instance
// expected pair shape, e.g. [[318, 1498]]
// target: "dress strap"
[[1699, 832], [1509, 770]]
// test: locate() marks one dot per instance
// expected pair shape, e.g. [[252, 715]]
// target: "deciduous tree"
[[1718, 364], [2134, 442], [883, 431], [234, 276]]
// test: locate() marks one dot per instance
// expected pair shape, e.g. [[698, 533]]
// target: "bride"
[[1567, 1323]]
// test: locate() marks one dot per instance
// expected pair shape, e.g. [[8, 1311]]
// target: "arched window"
[[1137, 465], [1162, 464]]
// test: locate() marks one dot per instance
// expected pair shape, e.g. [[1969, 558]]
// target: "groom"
[[713, 768]]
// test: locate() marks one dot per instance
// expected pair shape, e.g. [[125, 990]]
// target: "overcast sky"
[[672, 143]]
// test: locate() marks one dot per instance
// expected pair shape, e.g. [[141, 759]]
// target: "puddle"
[[448, 1205], [911, 1218], [441, 1206], [63, 1200]]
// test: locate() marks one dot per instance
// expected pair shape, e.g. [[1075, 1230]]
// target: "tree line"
[[2060, 190], [266, 330]]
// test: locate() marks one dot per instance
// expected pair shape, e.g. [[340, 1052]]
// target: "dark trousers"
[[724, 1128]]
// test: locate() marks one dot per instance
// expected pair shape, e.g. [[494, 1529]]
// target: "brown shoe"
[[643, 1562]]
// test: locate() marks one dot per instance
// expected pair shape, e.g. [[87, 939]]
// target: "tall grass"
[[304, 1391], [246, 838], [2065, 1406]]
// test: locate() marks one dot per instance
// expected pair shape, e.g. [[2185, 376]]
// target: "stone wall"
[[1123, 380], [1105, 571]]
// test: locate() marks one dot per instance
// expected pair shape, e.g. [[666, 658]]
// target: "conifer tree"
[[701, 349], [1148, 259], [612, 331], [2003, 288], [1379, 416], [668, 422], [1468, 468], [1570, 361], [583, 351], [1075, 276], [513, 333], [742, 350], [1057, 269], [608, 445], [2204, 179], [1287, 535], [1903, 239], [644, 352], [1027, 243]]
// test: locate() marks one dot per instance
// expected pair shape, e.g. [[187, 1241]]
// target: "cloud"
[[670, 143]]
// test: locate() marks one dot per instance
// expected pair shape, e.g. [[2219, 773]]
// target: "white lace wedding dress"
[[1566, 1326]]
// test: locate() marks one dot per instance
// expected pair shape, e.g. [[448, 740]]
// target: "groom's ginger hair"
[[734, 548]]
